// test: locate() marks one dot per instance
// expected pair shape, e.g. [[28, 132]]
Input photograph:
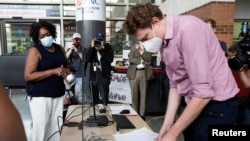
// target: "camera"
[[98, 43], [77, 45], [241, 58]]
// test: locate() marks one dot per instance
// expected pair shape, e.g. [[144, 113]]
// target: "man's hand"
[[73, 47], [92, 44], [139, 48]]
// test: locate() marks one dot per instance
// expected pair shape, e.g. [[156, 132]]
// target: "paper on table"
[[142, 134], [118, 109]]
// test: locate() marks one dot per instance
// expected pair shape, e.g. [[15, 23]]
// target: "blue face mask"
[[47, 41]]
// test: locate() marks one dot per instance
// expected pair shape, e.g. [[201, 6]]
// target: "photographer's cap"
[[76, 35], [100, 36]]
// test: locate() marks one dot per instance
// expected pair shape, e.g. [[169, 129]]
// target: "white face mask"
[[152, 45], [47, 41]]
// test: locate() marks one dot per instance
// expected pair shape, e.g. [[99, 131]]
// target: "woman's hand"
[[61, 71], [66, 101]]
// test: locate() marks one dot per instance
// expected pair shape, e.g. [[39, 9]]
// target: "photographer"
[[100, 55], [244, 109], [240, 62], [75, 56]]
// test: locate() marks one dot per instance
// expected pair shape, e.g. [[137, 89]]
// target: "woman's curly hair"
[[140, 16], [35, 28]]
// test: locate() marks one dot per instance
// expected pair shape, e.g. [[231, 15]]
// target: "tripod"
[[100, 120]]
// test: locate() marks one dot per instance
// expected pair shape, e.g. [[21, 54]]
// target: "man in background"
[[75, 60], [212, 23], [100, 56], [140, 71]]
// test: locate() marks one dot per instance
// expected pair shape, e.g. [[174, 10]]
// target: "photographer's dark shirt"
[[75, 63], [107, 56]]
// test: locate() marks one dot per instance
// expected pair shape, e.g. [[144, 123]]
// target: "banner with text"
[[119, 89], [29, 11]]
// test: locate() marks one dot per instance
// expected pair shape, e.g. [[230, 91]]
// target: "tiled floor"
[[18, 97]]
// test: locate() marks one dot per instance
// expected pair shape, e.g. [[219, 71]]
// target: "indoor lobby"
[[14, 25]]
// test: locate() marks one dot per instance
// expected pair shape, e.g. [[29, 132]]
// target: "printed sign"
[[90, 10], [7, 10], [119, 89]]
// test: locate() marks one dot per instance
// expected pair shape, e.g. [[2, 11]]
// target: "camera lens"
[[238, 61], [235, 64], [97, 43], [77, 45]]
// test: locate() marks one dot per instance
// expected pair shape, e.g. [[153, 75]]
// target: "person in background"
[[75, 59], [212, 23], [44, 72], [196, 68], [244, 107], [100, 55], [11, 128], [139, 72]]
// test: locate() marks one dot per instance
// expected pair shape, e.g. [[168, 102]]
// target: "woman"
[[45, 70]]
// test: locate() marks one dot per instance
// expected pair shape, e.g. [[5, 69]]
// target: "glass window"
[[115, 11], [69, 1], [17, 37], [69, 10], [40, 1], [69, 30], [108, 1], [117, 40], [115, 36], [115, 1]]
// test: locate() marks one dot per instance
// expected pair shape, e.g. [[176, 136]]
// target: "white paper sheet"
[[142, 134]]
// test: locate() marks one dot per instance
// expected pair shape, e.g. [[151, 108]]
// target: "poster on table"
[[119, 89]]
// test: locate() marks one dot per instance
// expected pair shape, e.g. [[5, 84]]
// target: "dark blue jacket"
[[223, 46], [107, 56]]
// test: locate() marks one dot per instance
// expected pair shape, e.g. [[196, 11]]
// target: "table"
[[75, 134]]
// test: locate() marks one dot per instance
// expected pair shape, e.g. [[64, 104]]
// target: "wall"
[[222, 11], [242, 9], [176, 7], [223, 14]]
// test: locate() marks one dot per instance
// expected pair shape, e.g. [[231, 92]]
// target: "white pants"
[[47, 118]]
